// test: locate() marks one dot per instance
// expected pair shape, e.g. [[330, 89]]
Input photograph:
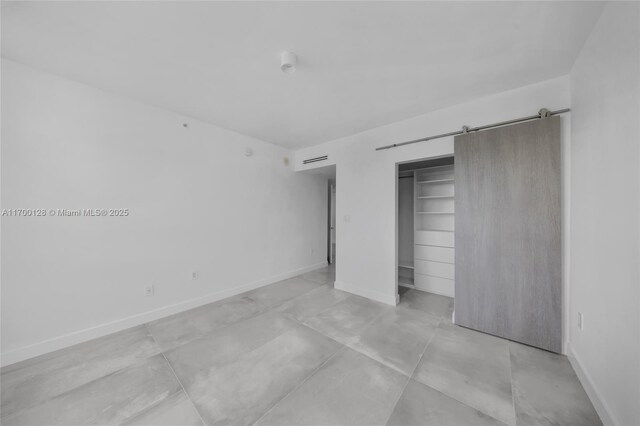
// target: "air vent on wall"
[[316, 159]]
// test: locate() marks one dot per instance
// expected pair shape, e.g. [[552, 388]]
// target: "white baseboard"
[[596, 398], [104, 329], [388, 299]]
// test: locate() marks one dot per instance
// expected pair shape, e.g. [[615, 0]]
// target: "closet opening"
[[425, 226]]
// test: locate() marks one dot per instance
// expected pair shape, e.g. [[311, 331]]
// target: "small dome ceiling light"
[[288, 62]]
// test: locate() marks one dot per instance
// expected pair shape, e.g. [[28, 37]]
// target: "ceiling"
[[361, 64]]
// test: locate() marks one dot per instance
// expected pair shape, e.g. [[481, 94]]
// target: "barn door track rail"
[[543, 113]]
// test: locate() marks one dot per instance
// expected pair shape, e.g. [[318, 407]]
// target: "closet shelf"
[[434, 212], [435, 181], [435, 196]]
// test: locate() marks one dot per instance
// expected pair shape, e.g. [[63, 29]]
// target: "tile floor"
[[293, 353]]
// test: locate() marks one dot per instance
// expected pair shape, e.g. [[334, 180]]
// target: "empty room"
[[320, 213]]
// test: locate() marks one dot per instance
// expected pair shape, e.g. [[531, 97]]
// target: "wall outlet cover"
[[580, 321]]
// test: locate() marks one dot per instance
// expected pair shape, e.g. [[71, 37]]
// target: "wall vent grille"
[[314, 160]]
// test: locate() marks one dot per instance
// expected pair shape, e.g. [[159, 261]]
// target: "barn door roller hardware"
[[543, 113]]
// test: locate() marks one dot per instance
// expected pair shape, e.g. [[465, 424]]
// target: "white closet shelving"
[[434, 261]]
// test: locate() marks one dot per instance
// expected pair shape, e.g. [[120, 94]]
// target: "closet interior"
[[426, 225]]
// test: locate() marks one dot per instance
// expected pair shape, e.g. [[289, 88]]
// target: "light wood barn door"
[[508, 238]]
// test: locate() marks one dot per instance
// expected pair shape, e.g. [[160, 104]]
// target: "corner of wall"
[[601, 407]]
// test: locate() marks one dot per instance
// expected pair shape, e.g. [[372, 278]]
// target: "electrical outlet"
[[195, 275], [580, 321], [148, 290]]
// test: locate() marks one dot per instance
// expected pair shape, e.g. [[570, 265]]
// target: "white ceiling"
[[361, 64]]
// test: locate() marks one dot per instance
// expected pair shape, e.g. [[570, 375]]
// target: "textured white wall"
[[605, 213], [196, 203]]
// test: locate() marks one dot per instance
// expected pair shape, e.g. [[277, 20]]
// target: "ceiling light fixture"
[[288, 62]]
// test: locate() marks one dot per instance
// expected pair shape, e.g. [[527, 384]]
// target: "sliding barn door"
[[507, 238]]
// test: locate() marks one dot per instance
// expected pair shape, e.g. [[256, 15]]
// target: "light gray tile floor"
[[422, 405], [176, 409], [349, 389], [397, 338], [298, 352], [539, 379], [471, 367], [184, 327]]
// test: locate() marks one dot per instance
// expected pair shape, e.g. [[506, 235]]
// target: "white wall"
[[366, 180], [605, 214], [196, 202]]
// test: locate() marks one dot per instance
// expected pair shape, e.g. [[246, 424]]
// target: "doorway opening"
[[329, 173], [331, 225]]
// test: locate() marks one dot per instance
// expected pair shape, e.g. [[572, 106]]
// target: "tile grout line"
[[89, 383], [293, 318], [313, 373], [320, 312], [247, 293], [414, 370], [350, 340], [50, 355], [176, 376], [348, 346], [368, 327], [462, 402], [378, 316], [267, 310], [149, 408], [300, 323], [307, 326], [456, 399], [184, 390], [215, 330]]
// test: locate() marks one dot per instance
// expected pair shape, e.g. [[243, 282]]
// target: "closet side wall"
[[405, 221]]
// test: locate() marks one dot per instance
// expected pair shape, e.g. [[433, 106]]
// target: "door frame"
[[331, 219]]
